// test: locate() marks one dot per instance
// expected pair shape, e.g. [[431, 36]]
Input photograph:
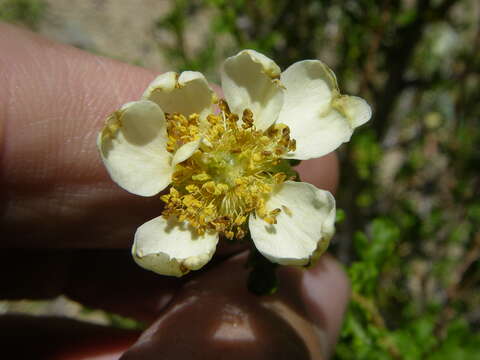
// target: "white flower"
[[224, 160]]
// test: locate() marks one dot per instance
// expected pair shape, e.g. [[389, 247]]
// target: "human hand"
[[56, 195]]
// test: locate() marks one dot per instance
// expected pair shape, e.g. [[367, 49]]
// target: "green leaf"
[[340, 216], [363, 276], [28, 12], [380, 243], [474, 212]]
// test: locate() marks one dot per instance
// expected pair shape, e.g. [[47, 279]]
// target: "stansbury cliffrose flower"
[[226, 160]]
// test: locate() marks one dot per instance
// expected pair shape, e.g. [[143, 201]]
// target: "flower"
[[226, 161]]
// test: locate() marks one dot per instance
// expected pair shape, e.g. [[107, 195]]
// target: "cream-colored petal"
[[251, 80], [133, 148], [304, 226], [185, 151], [186, 93], [319, 117], [354, 108], [169, 247]]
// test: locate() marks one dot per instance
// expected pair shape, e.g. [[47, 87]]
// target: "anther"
[[222, 104]]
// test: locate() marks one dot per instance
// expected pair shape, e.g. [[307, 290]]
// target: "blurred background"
[[409, 225]]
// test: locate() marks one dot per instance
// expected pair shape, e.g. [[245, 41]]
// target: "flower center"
[[231, 174]]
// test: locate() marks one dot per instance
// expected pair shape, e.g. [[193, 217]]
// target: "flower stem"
[[262, 279]]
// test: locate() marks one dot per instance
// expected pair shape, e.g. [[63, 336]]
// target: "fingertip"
[[215, 314], [301, 320], [322, 172], [326, 294]]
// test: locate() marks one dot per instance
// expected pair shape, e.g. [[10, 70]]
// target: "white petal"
[[304, 226], [133, 148], [354, 108], [185, 94], [185, 151], [320, 119], [169, 247], [250, 80]]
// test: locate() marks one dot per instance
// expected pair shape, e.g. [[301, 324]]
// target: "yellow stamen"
[[230, 176], [181, 130]]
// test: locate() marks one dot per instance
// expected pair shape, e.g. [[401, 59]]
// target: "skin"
[[66, 228]]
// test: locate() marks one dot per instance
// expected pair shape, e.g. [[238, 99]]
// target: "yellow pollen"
[[181, 130], [113, 124], [232, 173], [201, 177]]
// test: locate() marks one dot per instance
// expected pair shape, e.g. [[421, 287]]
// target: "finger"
[[215, 314], [102, 279], [322, 172], [106, 279], [325, 293], [54, 338], [53, 100]]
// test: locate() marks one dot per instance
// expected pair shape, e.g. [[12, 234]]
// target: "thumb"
[[214, 316]]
